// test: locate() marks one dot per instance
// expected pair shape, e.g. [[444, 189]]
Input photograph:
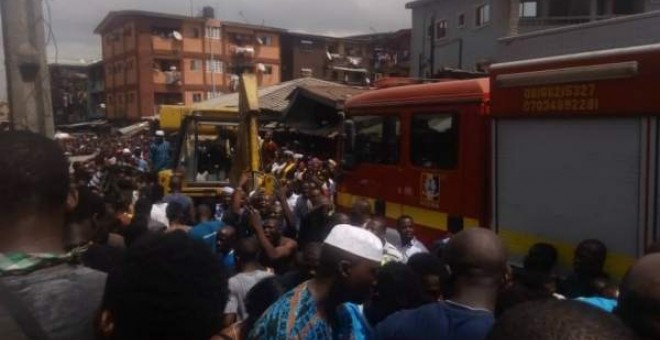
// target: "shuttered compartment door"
[[565, 180]]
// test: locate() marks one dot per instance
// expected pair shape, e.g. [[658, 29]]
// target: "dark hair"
[[424, 264], [140, 222], [89, 205], [541, 257], [260, 297], [34, 175], [397, 288], [597, 247], [247, 250], [401, 218], [558, 320], [157, 192], [175, 211], [167, 287]]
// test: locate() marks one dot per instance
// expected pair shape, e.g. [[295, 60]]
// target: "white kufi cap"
[[160, 133], [357, 241]]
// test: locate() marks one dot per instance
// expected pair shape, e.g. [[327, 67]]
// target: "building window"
[[119, 68], [194, 33], [269, 69], [214, 66], [213, 32], [482, 15], [131, 97], [528, 9], [434, 141], [265, 40], [440, 29], [377, 139], [129, 64], [195, 65], [197, 97], [110, 99], [461, 20]]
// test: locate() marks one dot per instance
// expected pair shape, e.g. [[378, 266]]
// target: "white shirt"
[[415, 247], [291, 201], [158, 217], [391, 254]]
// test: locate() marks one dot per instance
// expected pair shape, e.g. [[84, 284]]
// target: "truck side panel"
[[562, 180]]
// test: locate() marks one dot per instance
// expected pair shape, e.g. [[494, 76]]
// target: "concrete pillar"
[[593, 10]]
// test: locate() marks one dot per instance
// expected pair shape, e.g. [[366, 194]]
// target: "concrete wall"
[[626, 31], [652, 5], [463, 47]]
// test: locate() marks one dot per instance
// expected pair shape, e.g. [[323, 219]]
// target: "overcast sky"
[[73, 21]]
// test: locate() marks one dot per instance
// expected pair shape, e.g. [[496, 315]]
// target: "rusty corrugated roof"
[[273, 98]]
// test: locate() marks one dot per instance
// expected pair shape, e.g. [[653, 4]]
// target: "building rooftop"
[[274, 98], [418, 3], [117, 15], [330, 95]]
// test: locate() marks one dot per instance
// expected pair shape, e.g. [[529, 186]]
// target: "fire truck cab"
[[420, 150]]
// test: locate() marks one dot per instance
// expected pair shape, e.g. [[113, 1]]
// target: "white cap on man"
[[228, 190], [298, 156], [126, 151], [357, 241], [160, 133]]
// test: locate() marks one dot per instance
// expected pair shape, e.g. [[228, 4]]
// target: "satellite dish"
[[177, 35], [329, 55], [260, 41], [261, 67]]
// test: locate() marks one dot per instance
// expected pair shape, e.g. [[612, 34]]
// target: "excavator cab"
[[215, 146]]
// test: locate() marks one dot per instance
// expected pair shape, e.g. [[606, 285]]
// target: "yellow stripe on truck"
[[518, 244]]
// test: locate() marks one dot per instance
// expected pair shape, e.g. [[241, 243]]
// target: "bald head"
[[476, 253], [360, 212], [639, 299], [339, 218]]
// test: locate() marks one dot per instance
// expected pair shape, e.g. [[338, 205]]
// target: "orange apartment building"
[[151, 59]]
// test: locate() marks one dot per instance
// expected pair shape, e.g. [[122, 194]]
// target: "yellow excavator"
[[215, 146]]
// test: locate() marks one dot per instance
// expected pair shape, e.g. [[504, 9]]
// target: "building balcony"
[[243, 51], [166, 44], [167, 78]]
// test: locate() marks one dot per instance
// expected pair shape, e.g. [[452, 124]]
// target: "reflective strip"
[[517, 243]]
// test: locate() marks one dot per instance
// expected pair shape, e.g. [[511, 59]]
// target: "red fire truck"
[[554, 150]]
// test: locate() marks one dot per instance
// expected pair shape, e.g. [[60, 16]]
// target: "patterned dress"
[[295, 316]]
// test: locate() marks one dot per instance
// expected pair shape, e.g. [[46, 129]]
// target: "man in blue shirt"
[[320, 308], [226, 239], [477, 261], [160, 152], [207, 228]]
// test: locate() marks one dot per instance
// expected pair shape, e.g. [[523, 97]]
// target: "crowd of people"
[[101, 250]]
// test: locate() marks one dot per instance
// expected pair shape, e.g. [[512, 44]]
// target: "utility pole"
[[28, 81]]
